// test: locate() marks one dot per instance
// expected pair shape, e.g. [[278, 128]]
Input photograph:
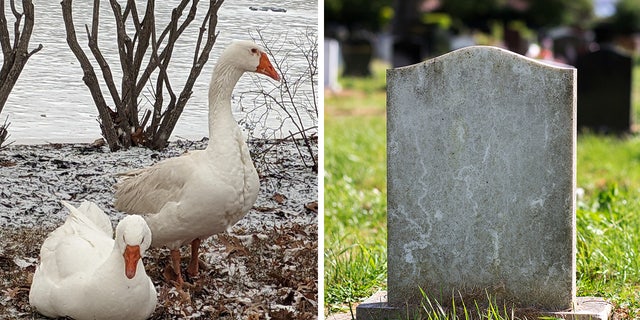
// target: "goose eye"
[[254, 50]]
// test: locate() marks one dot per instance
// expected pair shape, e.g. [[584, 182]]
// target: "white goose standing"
[[85, 274], [189, 198]]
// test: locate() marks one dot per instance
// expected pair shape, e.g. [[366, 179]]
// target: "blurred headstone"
[[331, 64], [569, 43], [604, 91], [357, 52], [481, 180], [409, 34]]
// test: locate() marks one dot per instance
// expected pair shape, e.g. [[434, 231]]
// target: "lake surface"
[[50, 102]]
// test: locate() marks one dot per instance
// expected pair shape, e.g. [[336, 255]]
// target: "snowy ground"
[[265, 267]]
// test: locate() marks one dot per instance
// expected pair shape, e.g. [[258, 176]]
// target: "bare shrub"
[[294, 101], [15, 56], [125, 126], [4, 133]]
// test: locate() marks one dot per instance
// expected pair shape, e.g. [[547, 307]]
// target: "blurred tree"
[[357, 14], [553, 13], [473, 14], [542, 14], [536, 13], [626, 19], [416, 30], [352, 22]]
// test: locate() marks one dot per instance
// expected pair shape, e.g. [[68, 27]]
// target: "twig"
[[4, 133], [286, 96]]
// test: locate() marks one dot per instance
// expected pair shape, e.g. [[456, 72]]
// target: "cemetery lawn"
[[608, 214]]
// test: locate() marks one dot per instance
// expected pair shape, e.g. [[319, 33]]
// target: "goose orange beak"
[[265, 67], [131, 257]]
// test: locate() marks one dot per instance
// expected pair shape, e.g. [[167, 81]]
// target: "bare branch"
[[171, 118], [5, 41], [144, 31], [97, 54], [190, 17], [16, 25], [14, 10], [203, 29], [175, 13], [157, 106], [34, 51], [106, 70], [290, 97], [90, 79], [4, 132], [124, 123], [16, 57], [170, 28], [95, 21]]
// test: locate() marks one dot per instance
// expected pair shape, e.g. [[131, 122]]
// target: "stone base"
[[587, 308]]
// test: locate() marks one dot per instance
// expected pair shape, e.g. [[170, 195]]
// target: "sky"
[[604, 8]]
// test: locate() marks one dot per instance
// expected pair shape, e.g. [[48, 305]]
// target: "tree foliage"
[[354, 14], [535, 13], [553, 13], [627, 16], [473, 13]]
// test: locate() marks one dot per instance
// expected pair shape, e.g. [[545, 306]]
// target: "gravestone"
[[331, 64], [481, 180], [604, 91]]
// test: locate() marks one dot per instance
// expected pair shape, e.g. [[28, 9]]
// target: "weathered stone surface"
[[481, 171]]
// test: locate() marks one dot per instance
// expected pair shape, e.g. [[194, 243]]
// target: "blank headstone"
[[481, 171], [331, 64], [604, 91]]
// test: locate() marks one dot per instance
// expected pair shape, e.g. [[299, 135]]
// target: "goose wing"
[[78, 245], [146, 191]]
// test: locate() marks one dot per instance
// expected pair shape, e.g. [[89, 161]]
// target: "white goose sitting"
[[189, 198], [85, 274]]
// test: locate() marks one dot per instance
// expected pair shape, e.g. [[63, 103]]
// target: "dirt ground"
[[264, 267]]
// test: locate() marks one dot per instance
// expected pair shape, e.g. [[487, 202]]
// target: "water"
[[50, 102]]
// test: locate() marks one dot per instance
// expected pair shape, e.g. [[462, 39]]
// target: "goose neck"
[[223, 81], [221, 119]]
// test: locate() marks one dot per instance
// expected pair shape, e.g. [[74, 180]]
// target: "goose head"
[[249, 57], [133, 238]]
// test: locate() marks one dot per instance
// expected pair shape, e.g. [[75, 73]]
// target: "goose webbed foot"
[[172, 273]]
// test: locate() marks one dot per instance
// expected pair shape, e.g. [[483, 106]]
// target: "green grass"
[[608, 216], [608, 220], [355, 209], [359, 96], [355, 191], [374, 84]]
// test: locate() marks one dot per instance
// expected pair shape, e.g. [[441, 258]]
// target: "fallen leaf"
[[232, 245], [279, 198], [7, 163], [313, 206], [98, 143], [11, 293], [264, 209]]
